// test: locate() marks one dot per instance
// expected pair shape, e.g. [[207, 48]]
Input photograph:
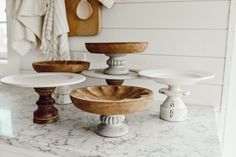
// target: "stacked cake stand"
[[114, 101], [116, 72]]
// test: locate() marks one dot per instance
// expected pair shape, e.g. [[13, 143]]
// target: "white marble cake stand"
[[44, 84], [110, 79], [173, 108]]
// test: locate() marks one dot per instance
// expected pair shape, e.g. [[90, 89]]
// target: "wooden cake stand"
[[116, 51], [112, 103], [44, 84], [61, 94]]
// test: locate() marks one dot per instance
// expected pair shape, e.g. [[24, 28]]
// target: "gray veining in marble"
[[74, 134]]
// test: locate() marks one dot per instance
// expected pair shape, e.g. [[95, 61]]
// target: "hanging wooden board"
[[80, 27]]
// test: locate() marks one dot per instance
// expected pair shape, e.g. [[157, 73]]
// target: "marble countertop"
[[73, 135]]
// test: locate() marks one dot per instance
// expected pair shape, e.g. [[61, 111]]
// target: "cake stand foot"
[[62, 95], [173, 108], [112, 126], [46, 112], [116, 63], [114, 82]]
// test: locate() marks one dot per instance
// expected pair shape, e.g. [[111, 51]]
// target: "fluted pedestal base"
[[116, 63], [112, 126]]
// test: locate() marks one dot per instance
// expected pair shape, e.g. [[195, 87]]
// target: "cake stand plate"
[[44, 84], [173, 108], [110, 79]]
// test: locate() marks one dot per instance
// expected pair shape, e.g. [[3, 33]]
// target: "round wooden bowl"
[[112, 100], [61, 66], [116, 47]]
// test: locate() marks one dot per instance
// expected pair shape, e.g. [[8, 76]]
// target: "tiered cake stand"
[[173, 108], [44, 84], [114, 101], [61, 94]]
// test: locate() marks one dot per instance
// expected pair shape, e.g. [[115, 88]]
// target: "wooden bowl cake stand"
[[112, 103], [116, 51], [44, 85]]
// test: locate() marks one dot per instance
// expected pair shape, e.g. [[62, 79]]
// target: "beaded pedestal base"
[[116, 63], [112, 126]]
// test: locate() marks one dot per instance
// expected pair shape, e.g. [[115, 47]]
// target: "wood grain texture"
[[61, 66], [46, 112], [116, 47], [79, 27], [112, 100]]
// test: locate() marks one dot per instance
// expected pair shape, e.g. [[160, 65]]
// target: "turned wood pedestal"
[[44, 84], [46, 112], [114, 82]]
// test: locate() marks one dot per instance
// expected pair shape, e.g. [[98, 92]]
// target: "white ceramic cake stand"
[[44, 84], [173, 108], [110, 79]]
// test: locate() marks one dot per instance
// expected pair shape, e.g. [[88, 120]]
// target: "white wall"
[[228, 116], [186, 34]]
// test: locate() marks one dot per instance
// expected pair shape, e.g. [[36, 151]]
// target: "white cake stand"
[[173, 108], [110, 79], [44, 84]]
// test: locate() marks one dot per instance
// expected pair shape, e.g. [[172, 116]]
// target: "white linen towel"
[[55, 31], [107, 3], [26, 18]]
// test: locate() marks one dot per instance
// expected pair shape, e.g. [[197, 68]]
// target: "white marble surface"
[[73, 135]]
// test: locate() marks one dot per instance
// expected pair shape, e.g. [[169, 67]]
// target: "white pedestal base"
[[116, 63], [173, 108], [62, 95], [112, 126]]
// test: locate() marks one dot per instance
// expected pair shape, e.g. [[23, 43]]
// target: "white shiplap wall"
[[185, 34]]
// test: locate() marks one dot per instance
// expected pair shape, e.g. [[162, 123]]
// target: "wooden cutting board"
[[79, 27]]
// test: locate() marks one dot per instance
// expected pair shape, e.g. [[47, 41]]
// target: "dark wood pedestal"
[[46, 112], [114, 82]]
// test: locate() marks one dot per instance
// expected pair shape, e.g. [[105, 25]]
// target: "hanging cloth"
[[26, 18], [55, 31]]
